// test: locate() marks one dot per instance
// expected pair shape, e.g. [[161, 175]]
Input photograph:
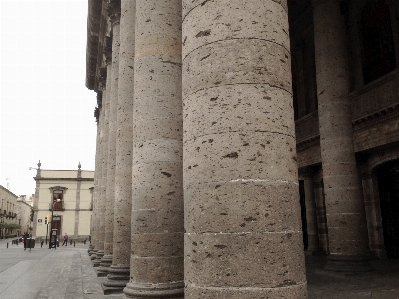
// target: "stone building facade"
[[8, 213], [234, 137], [67, 197]]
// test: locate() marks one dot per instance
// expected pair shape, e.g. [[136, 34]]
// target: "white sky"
[[46, 111]]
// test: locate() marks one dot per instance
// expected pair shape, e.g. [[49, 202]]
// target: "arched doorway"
[[388, 188]]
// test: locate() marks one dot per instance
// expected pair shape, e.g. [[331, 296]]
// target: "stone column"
[[311, 219], [342, 186], [106, 261], [321, 216], [242, 213], [94, 228], [100, 126], [104, 167], [156, 263], [119, 271]]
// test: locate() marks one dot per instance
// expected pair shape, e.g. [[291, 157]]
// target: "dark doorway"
[[388, 188], [56, 224], [303, 214]]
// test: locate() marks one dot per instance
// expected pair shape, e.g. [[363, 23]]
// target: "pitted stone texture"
[[162, 270], [104, 166], [242, 207], [215, 260], [124, 146], [261, 20], [295, 291], [343, 195], [234, 156], [242, 61], [109, 211], [157, 206], [249, 107], [240, 172]]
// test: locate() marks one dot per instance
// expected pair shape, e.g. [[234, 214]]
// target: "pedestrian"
[[65, 240], [25, 240]]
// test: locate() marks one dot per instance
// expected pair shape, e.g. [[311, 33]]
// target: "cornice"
[[383, 115], [63, 179]]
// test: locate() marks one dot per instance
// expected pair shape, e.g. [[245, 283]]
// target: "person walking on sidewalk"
[[65, 240]]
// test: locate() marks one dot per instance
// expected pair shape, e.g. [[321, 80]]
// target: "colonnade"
[[196, 187]]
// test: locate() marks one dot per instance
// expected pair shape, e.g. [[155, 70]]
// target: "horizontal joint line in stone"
[[229, 39], [262, 181], [247, 288], [246, 83], [155, 257], [247, 233], [226, 132]]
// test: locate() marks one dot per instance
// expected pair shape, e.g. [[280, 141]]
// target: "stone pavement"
[[67, 273], [62, 273]]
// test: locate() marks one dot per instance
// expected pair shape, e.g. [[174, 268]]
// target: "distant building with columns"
[[67, 195], [234, 137]]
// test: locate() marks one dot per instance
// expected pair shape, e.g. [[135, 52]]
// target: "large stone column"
[[156, 263], [98, 160], [321, 216], [342, 186], [119, 271], [311, 219], [106, 261], [242, 213], [104, 167]]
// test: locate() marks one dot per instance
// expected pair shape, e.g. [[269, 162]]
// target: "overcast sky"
[[46, 110]]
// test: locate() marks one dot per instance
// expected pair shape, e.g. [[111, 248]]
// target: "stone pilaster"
[[118, 273], [242, 214], [106, 261], [311, 219], [104, 167], [156, 263], [342, 186], [321, 216]]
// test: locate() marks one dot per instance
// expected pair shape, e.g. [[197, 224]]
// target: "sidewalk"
[[67, 273], [42, 273]]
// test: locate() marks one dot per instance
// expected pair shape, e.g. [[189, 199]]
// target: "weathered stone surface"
[[157, 206], [239, 161], [343, 196]]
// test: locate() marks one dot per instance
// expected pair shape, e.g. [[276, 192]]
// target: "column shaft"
[[321, 216], [242, 213], [94, 224], [343, 195], [156, 263], [104, 140], [311, 219], [106, 261], [120, 269]]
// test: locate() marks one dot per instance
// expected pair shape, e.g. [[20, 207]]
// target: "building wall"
[[76, 202], [9, 209]]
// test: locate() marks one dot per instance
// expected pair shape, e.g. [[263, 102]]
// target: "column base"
[[105, 263], [117, 278], [97, 258], [154, 291], [90, 249], [348, 263]]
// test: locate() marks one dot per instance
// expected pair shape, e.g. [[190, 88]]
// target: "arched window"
[[378, 44]]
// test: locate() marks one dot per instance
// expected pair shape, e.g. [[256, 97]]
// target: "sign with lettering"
[[39, 220]]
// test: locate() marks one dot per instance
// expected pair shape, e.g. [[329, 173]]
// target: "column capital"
[[107, 50], [114, 11]]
